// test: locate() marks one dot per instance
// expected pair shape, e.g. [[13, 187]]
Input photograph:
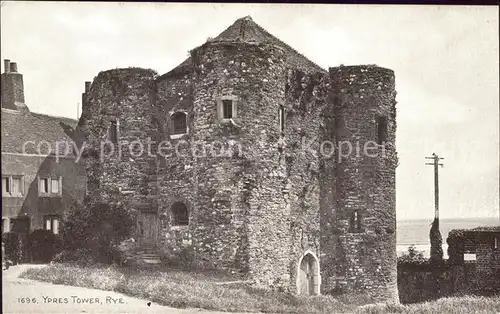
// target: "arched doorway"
[[308, 278]]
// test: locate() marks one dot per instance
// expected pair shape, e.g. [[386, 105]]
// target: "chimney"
[[6, 65], [12, 88], [87, 86], [13, 67]]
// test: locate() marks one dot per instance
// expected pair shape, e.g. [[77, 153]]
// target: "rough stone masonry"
[[246, 171]]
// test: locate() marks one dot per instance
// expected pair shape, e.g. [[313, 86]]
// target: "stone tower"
[[117, 122], [363, 248], [232, 185]]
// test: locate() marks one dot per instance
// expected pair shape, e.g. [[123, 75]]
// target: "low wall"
[[424, 282]]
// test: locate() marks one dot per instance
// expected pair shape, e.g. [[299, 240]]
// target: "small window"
[[356, 222], [50, 186], [12, 186], [227, 109], [44, 185], [179, 121], [282, 119], [52, 223], [381, 130], [180, 215], [5, 186], [495, 244], [113, 132], [55, 186]]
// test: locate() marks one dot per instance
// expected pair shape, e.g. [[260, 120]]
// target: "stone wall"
[[305, 105], [425, 282], [484, 244]]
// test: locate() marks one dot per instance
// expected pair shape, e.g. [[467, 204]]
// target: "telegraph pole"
[[436, 165]]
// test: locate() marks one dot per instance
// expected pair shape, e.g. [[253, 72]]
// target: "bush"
[[15, 247], [43, 245], [412, 256], [97, 228]]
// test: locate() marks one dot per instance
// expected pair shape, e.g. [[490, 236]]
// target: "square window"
[[44, 185], [227, 109], [55, 186], [179, 121], [5, 186]]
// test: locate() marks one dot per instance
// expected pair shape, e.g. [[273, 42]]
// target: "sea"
[[416, 232]]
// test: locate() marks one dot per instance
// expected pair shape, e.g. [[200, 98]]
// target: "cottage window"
[[227, 109], [179, 122], [49, 186], [113, 132], [52, 223], [5, 186], [180, 214], [282, 118], [12, 186], [381, 130], [44, 185], [17, 188], [55, 186]]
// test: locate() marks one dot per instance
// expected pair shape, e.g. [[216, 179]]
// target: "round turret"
[[365, 123]]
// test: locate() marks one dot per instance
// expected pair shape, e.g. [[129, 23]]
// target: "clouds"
[[445, 59]]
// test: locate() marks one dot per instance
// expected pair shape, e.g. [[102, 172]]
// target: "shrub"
[[43, 245], [15, 247], [98, 228], [412, 256]]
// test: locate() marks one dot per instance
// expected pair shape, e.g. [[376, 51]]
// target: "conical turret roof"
[[245, 30]]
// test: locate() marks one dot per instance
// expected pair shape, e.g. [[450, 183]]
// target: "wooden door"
[[147, 229], [306, 275]]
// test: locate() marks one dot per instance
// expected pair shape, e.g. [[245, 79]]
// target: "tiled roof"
[[246, 30], [21, 127]]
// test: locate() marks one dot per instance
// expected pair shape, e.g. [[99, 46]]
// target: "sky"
[[446, 61]]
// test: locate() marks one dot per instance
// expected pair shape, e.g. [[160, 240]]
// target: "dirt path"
[[50, 298]]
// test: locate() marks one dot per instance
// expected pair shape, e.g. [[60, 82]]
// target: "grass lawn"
[[206, 290]]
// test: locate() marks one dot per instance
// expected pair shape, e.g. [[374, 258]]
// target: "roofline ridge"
[[51, 116], [287, 45]]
